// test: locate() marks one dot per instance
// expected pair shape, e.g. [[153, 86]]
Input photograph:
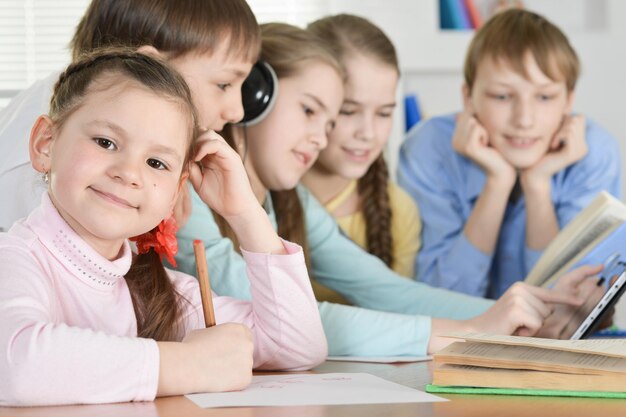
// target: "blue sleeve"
[[435, 176], [599, 170], [354, 331], [365, 281]]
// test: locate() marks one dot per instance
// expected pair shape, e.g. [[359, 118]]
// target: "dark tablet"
[[593, 312]]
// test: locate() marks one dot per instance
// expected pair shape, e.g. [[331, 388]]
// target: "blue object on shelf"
[[454, 15], [412, 111], [464, 16]]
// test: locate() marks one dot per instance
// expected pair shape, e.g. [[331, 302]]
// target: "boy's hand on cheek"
[[567, 147], [472, 141]]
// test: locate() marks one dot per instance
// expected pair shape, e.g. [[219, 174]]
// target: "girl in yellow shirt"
[[350, 177]]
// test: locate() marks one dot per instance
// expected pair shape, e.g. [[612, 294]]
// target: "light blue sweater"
[[400, 327]]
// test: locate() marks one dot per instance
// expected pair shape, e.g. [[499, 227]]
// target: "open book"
[[590, 227], [512, 362]]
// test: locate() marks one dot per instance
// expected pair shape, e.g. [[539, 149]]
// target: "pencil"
[[205, 283]]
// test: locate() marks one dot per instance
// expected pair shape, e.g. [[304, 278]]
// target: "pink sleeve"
[[283, 314], [44, 362]]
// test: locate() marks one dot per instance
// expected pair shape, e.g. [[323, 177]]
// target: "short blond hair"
[[510, 35]]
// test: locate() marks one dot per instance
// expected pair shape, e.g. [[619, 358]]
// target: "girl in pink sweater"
[[82, 318]]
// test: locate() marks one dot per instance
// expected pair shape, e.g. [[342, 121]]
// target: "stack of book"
[[490, 364]]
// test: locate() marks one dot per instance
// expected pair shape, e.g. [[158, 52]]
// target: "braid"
[[156, 302], [291, 219], [376, 209]]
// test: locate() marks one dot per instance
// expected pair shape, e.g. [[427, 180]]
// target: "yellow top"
[[406, 226]]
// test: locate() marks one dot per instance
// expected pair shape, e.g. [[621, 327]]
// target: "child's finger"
[[209, 135], [575, 277], [536, 306], [483, 137], [560, 137], [559, 140], [209, 147], [555, 297], [529, 323], [524, 332], [195, 174]]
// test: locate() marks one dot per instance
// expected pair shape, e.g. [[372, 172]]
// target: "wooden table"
[[415, 375]]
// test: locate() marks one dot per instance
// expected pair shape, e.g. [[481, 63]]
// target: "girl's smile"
[[113, 199], [357, 155]]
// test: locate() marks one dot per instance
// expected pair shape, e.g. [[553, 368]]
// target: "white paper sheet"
[[380, 359], [314, 389]]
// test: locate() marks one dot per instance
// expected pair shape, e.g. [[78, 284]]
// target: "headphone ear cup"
[[258, 93]]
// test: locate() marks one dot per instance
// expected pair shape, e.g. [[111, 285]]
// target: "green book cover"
[[518, 391]]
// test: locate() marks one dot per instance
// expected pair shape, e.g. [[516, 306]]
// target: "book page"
[[605, 212], [609, 347], [579, 248], [314, 389], [530, 358]]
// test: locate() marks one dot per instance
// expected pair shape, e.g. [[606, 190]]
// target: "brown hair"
[[350, 35], [511, 34], [173, 27], [288, 49], [157, 305]]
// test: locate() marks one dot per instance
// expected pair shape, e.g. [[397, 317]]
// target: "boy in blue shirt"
[[497, 182]]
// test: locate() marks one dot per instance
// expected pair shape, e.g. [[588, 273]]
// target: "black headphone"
[[258, 93]]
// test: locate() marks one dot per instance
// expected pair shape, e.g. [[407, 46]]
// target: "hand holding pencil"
[[205, 283], [219, 357]]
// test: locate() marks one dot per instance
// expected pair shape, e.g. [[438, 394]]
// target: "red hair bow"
[[162, 238]]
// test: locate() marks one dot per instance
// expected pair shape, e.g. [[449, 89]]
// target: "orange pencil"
[[205, 283]]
